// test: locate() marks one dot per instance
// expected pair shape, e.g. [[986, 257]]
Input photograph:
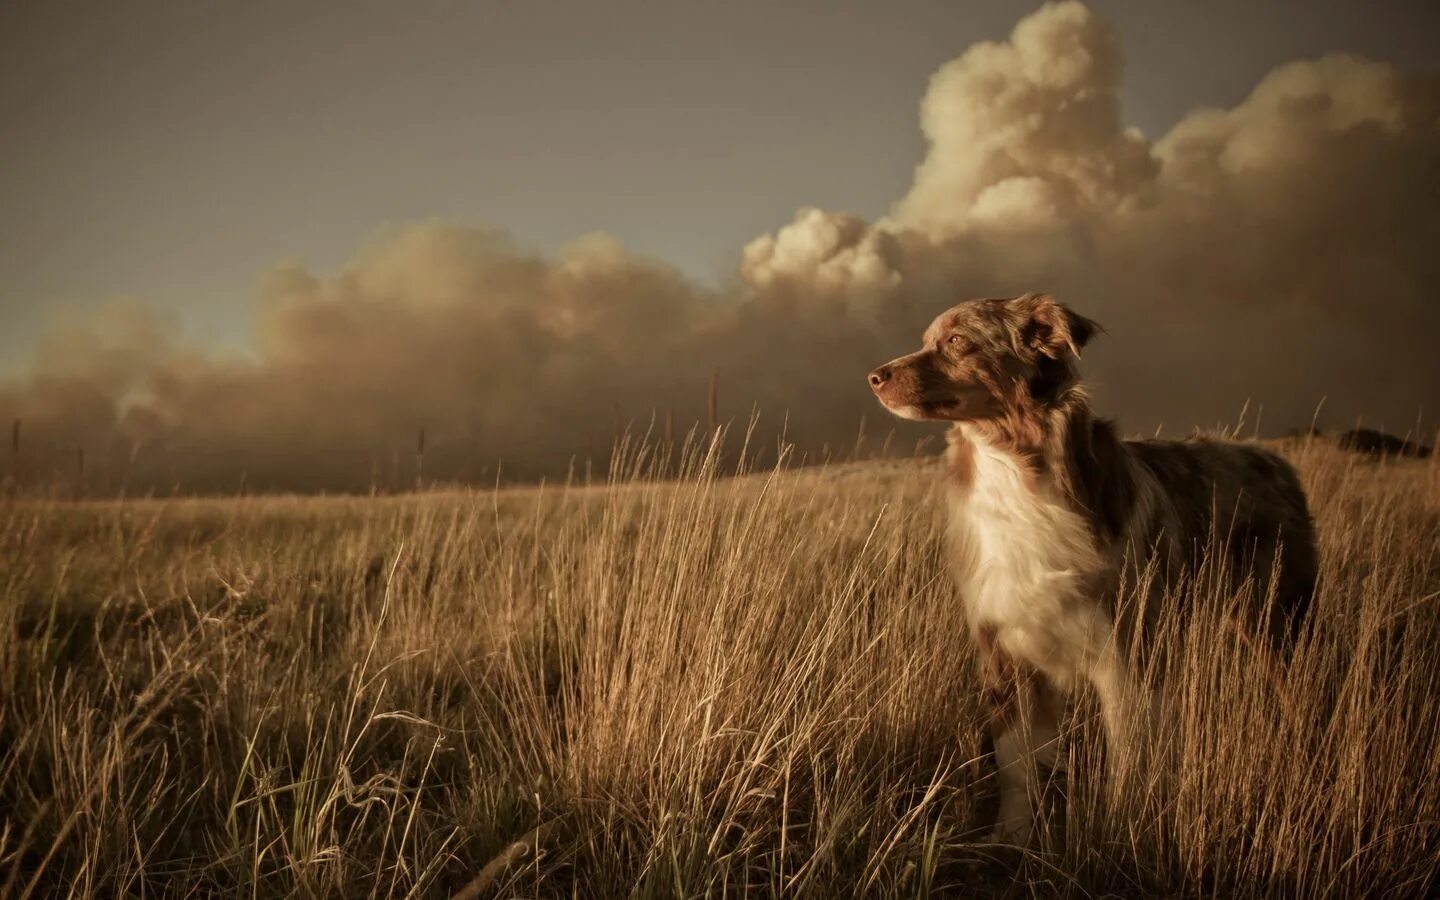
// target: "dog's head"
[[981, 358]]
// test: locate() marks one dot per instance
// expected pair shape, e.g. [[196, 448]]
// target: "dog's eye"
[[953, 339]]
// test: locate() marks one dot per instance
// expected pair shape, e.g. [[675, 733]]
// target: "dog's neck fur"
[[1060, 443]]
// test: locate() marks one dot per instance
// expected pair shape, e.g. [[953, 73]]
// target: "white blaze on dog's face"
[[979, 359]]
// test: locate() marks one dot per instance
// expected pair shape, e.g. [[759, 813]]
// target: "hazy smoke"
[[1281, 251]]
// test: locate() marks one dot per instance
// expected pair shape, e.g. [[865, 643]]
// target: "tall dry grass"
[[755, 686]]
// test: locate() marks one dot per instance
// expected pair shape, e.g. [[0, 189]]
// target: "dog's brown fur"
[[1052, 515]]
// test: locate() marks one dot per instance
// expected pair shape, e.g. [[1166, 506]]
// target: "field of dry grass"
[[753, 686]]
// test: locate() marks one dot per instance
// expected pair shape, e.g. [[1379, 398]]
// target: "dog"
[[1052, 520]]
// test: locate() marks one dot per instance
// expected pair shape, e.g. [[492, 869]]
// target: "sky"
[[177, 151], [189, 184]]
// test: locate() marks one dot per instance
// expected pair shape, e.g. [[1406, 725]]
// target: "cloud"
[[833, 253], [496, 352], [1027, 132], [1279, 252]]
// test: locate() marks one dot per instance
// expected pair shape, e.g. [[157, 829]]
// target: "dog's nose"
[[879, 376]]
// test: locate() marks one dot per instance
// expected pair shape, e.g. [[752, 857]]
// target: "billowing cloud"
[[1281, 252], [1027, 133], [514, 365], [834, 254]]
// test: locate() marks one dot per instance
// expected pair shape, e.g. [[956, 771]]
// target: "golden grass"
[[753, 686]]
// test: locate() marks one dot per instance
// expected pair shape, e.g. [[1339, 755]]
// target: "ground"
[[684, 685]]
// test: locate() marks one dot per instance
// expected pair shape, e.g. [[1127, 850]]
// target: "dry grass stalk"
[[698, 686]]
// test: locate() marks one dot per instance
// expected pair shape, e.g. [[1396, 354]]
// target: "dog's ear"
[[1050, 327]]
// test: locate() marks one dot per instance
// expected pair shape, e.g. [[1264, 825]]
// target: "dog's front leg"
[[1024, 722]]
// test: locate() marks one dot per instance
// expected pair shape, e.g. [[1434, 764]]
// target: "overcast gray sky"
[[176, 151]]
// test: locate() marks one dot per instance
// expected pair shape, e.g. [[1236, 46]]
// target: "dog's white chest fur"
[[1023, 561]]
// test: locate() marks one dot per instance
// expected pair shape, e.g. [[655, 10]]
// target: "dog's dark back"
[[1244, 507]]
